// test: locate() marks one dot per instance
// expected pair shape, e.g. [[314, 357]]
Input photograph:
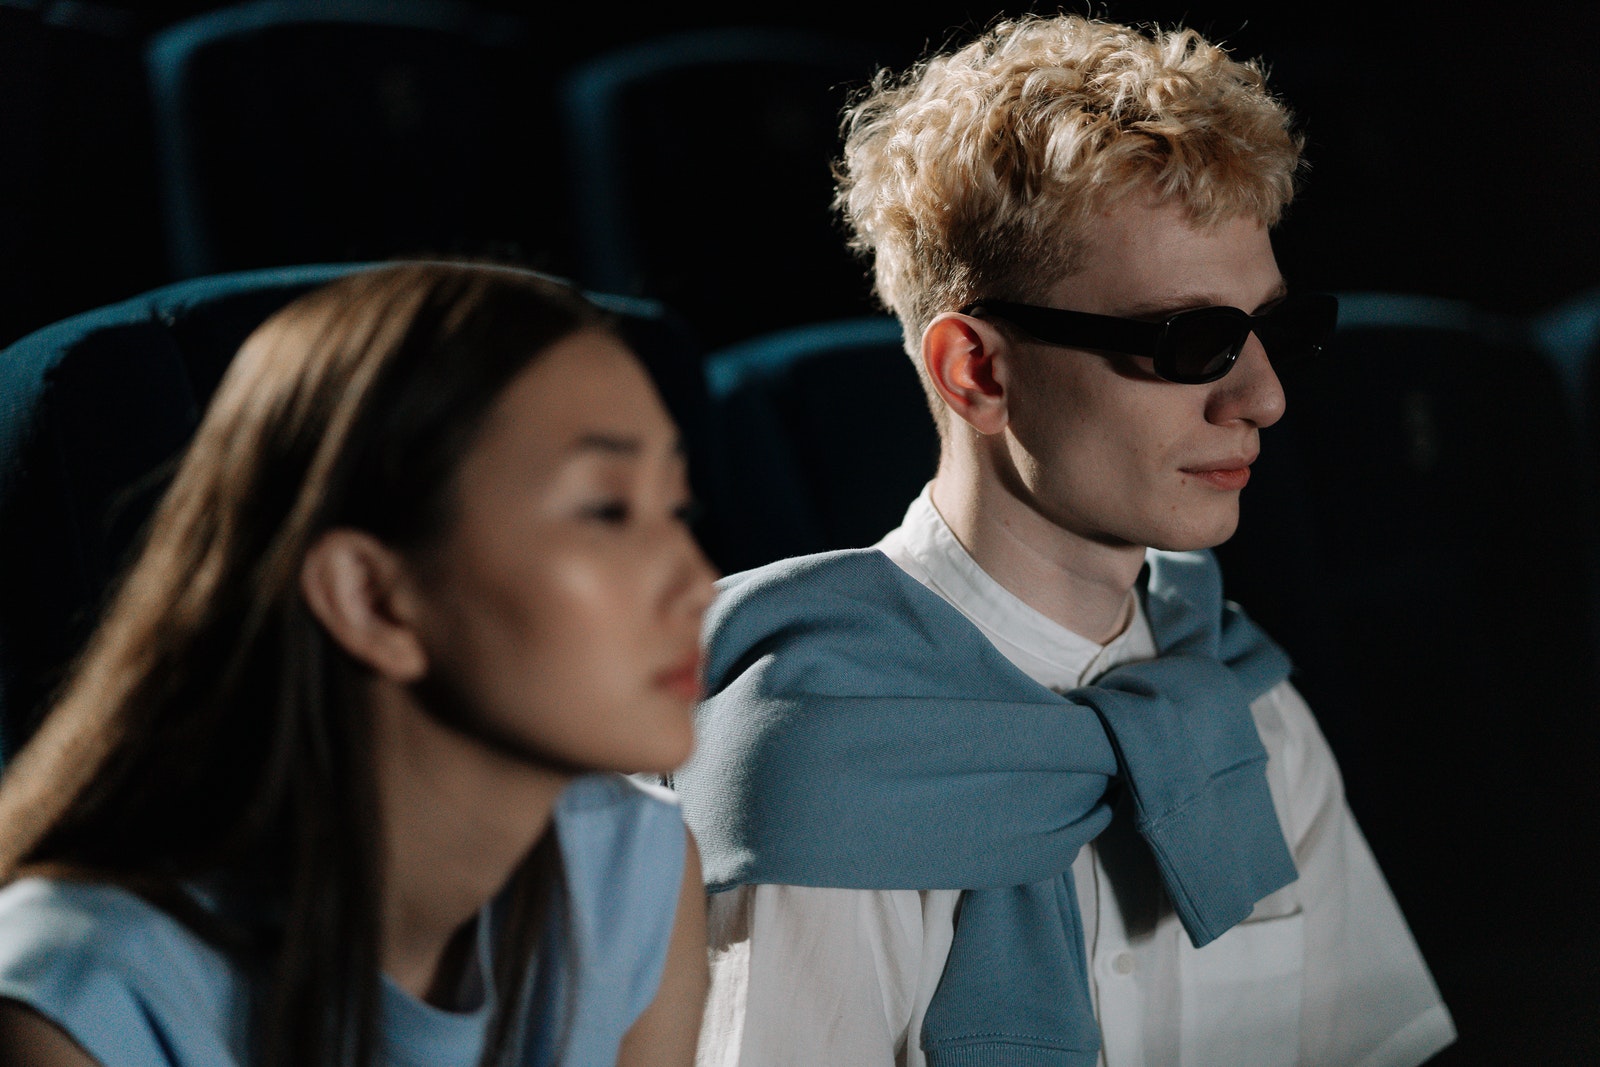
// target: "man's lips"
[[1227, 474], [683, 678]]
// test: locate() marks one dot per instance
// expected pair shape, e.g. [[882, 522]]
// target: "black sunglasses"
[[1191, 347]]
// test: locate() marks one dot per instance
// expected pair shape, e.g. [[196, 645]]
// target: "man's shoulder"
[[811, 601], [807, 581], [843, 622]]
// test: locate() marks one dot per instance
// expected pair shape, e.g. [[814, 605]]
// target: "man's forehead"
[[1144, 257]]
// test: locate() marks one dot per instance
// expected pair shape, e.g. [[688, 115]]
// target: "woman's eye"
[[689, 512], [610, 511]]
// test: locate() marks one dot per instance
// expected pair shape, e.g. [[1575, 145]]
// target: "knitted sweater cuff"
[[1001, 1054], [1215, 878]]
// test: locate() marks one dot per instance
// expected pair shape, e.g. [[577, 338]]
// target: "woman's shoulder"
[[128, 981], [618, 823], [78, 920], [623, 846], [638, 813]]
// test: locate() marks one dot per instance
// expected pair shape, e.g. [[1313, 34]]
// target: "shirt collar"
[[1051, 654]]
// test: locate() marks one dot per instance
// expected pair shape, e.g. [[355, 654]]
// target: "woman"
[[320, 789]]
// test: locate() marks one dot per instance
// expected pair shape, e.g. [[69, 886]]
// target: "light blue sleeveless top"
[[136, 988]]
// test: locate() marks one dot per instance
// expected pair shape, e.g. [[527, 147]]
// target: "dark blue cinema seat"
[[1569, 336], [78, 203], [824, 437], [1431, 459], [300, 131], [700, 174], [94, 412], [1420, 535]]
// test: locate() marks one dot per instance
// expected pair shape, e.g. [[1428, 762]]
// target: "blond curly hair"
[[976, 172]]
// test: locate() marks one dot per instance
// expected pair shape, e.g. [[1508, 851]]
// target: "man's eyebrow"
[[1176, 302], [1169, 304], [1279, 291]]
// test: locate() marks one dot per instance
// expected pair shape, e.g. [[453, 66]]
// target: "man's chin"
[[1196, 537]]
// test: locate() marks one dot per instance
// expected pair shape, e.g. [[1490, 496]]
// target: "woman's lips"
[[683, 680]]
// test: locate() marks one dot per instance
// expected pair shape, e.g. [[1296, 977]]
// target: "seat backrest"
[[700, 175], [1569, 336], [824, 438], [94, 412], [78, 203], [1432, 460], [298, 131], [1420, 539]]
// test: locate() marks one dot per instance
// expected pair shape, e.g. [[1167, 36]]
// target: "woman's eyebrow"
[[611, 444], [621, 445]]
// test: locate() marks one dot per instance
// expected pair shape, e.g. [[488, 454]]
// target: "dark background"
[[1450, 155]]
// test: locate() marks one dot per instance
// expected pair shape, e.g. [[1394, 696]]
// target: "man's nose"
[[1250, 391]]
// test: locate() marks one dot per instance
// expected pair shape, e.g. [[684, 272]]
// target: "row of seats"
[[688, 166], [278, 132], [1420, 535]]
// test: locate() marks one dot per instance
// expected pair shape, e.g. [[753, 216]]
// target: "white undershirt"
[[1325, 971]]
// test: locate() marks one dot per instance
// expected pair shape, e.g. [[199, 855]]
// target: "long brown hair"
[[211, 732]]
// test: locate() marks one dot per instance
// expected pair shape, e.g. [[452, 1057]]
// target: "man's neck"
[[1079, 583]]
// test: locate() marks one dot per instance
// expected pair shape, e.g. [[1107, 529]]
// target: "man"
[[892, 794]]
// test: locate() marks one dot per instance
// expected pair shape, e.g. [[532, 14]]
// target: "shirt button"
[[1123, 963]]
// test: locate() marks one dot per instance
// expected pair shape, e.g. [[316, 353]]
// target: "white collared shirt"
[[1324, 973]]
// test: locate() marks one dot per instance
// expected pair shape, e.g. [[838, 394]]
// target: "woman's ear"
[[355, 586], [964, 358]]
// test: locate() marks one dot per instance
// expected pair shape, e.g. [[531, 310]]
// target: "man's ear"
[[962, 356], [355, 586]]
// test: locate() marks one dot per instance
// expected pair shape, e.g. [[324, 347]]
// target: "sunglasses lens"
[[1200, 346], [1298, 328]]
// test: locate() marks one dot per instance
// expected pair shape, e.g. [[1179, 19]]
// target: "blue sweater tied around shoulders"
[[861, 733]]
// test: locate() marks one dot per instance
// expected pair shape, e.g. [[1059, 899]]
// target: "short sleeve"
[[126, 981], [802, 975], [623, 845], [1368, 997]]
